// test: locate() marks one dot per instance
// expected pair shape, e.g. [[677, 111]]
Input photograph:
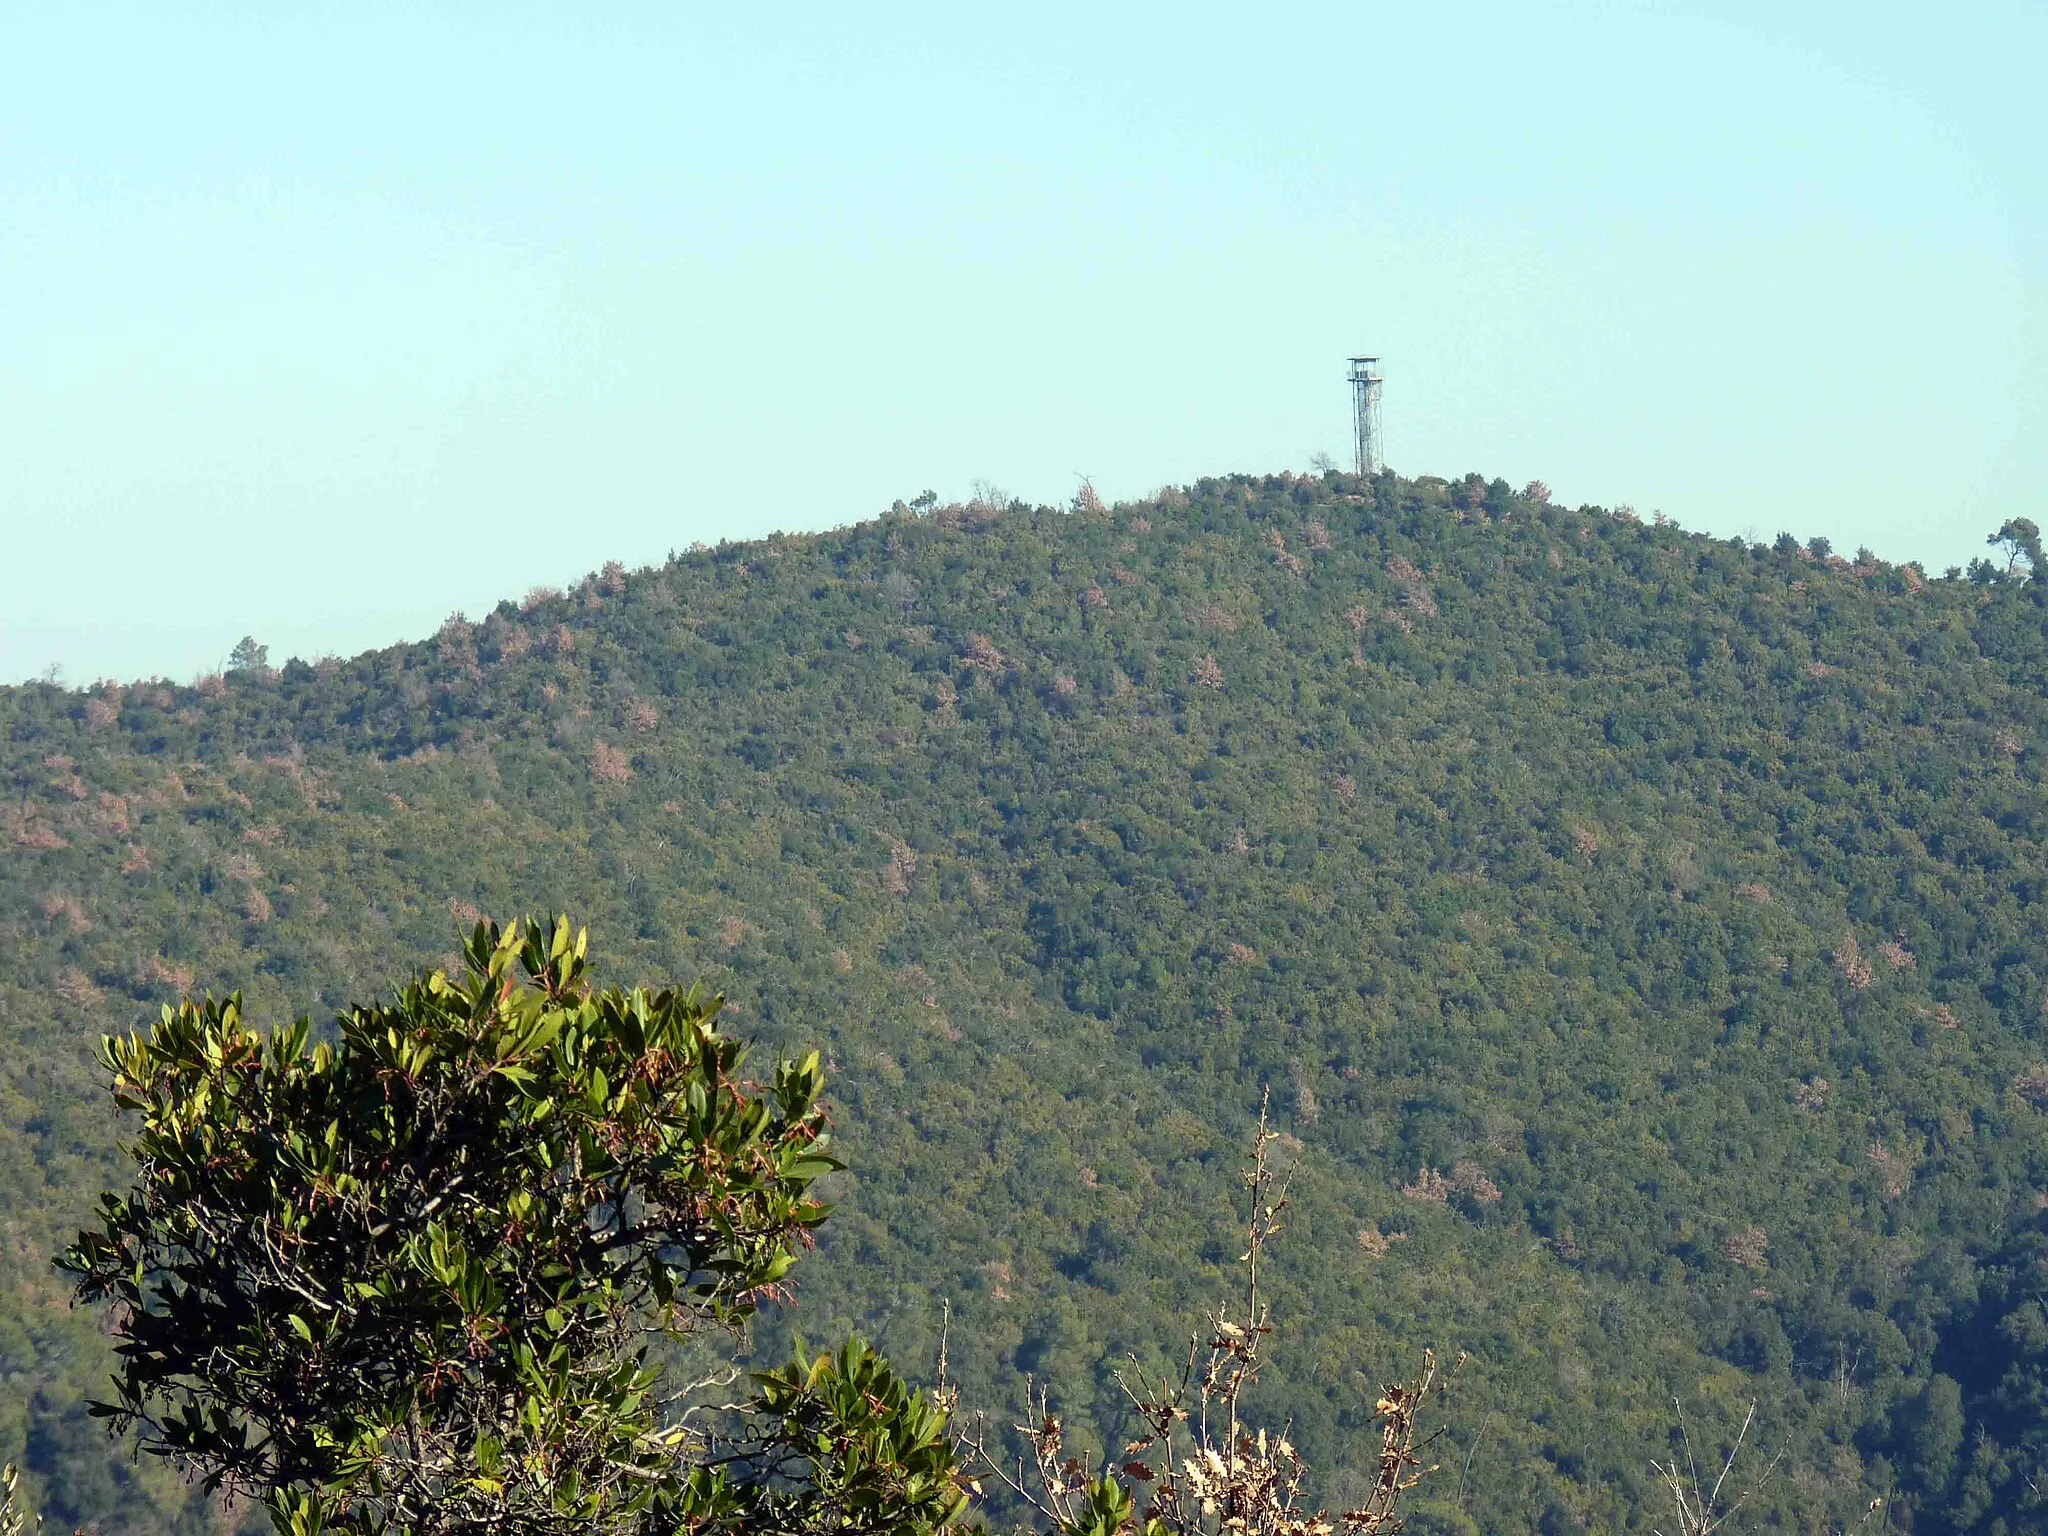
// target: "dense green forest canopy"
[[1640, 933]]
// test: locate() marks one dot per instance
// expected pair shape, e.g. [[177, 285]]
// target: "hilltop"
[[1639, 934]]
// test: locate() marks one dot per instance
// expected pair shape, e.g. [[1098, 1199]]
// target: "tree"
[[2018, 538], [1931, 1436], [248, 656], [406, 1283]]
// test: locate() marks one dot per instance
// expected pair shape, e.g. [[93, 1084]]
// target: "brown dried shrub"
[[982, 656], [1848, 958], [77, 989], [1469, 1179], [1207, 673], [642, 716], [1894, 1171], [1749, 1248], [1755, 891], [57, 906], [609, 764], [1306, 1109], [1282, 557], [1895, 954], [1812, 1093], [1429, 1185], [902, 865]]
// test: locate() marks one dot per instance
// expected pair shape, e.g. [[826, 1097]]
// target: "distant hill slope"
[[1641, 935]]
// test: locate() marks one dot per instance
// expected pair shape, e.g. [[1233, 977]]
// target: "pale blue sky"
[[322, 322]]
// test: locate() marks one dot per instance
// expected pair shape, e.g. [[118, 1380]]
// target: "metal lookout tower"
[[1365, 407]]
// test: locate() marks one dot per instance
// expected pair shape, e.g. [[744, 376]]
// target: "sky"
[[322, 322]]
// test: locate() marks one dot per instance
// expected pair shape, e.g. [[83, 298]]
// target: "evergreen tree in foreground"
[[411, 1283], [423, 1281]]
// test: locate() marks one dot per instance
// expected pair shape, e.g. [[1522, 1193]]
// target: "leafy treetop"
[[403, 1282]]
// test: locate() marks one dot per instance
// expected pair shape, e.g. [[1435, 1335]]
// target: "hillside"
[[1641, 936]]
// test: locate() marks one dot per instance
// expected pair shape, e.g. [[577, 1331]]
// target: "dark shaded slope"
[[1660, 913]]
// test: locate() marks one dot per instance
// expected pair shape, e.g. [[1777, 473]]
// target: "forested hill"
[[1640, 933]]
